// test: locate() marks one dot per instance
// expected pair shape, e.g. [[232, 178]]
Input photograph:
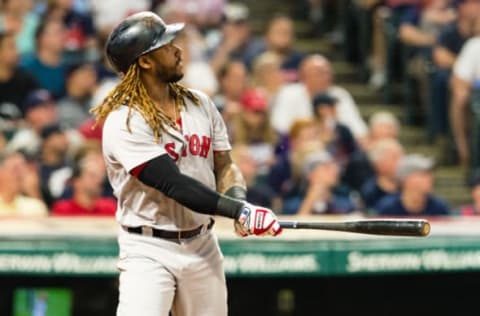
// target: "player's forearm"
[[231, 182], [229, 178]]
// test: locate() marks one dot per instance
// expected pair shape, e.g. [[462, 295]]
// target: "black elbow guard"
[[163, 174]]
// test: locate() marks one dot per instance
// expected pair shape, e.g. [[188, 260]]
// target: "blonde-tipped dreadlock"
[[131, 92]]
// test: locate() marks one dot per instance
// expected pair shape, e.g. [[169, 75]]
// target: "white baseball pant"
[[158, 276]]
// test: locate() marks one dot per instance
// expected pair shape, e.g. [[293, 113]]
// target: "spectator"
[[91, 151], [410, 30], [414, 173], [236, 41], [279, 39], [294, 100], [474, 208], [47, 65], [445, 52], [377, 58], [285, 174], [74, 106], [15, 83], [466, 72], [39, 111], [382, 125], [251, 127], [12, 201], [336, 137], [10, 120], [54, 167], [196, 22], [19, 19], [436, 15], [384, 155], [417, 24], [322, 195], [79, 29], [105, 83], [257, 192], [340, 143], [267, 75], [87, 182], [30, 180], [108, 13], [91, 131], [102, 65], [452, 37], [233, 82], [204, 13]]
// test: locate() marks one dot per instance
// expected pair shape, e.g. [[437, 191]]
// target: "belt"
[[168, 234]]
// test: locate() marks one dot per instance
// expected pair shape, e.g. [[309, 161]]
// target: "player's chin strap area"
[[171, 235]]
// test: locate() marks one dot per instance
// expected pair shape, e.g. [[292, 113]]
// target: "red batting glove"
[[257, 220]]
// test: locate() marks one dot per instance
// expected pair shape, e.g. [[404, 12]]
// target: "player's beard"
[[170, 74]]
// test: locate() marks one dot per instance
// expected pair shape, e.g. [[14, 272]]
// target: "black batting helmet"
[[137, 35]]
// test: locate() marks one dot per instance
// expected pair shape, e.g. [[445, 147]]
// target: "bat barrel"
[[392, 227]]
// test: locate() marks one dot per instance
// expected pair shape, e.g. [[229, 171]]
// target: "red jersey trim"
[[138, 169]]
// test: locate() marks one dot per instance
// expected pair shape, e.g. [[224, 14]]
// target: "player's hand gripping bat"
[[392, 227]]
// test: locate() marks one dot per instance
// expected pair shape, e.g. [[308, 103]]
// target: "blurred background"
[[334, 108]]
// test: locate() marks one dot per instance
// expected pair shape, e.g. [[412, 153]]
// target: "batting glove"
[[257, 220]]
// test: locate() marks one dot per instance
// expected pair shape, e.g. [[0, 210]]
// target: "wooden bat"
[[392, 227]]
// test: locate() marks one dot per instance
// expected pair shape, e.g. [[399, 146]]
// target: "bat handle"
[[288, 224]]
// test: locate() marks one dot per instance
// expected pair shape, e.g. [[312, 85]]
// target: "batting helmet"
[[137, 35]]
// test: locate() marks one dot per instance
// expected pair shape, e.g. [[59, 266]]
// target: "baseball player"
[[167, 156]]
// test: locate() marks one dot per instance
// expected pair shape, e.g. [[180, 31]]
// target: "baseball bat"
[[391, 227]]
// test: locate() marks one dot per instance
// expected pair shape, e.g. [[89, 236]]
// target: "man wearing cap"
[[54, 167], [338, 138], [39, 111], [251, 127], [340, 142], [414, 174], [168, 159]]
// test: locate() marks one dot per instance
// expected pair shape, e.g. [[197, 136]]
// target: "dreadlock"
[[131, 91]]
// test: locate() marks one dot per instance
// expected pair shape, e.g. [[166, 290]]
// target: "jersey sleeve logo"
[[197, 146]]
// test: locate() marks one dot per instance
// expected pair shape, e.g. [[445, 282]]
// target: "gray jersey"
[[203, 132]]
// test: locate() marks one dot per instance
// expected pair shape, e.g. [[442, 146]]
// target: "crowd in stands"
[[431, 45], [298, 137]]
